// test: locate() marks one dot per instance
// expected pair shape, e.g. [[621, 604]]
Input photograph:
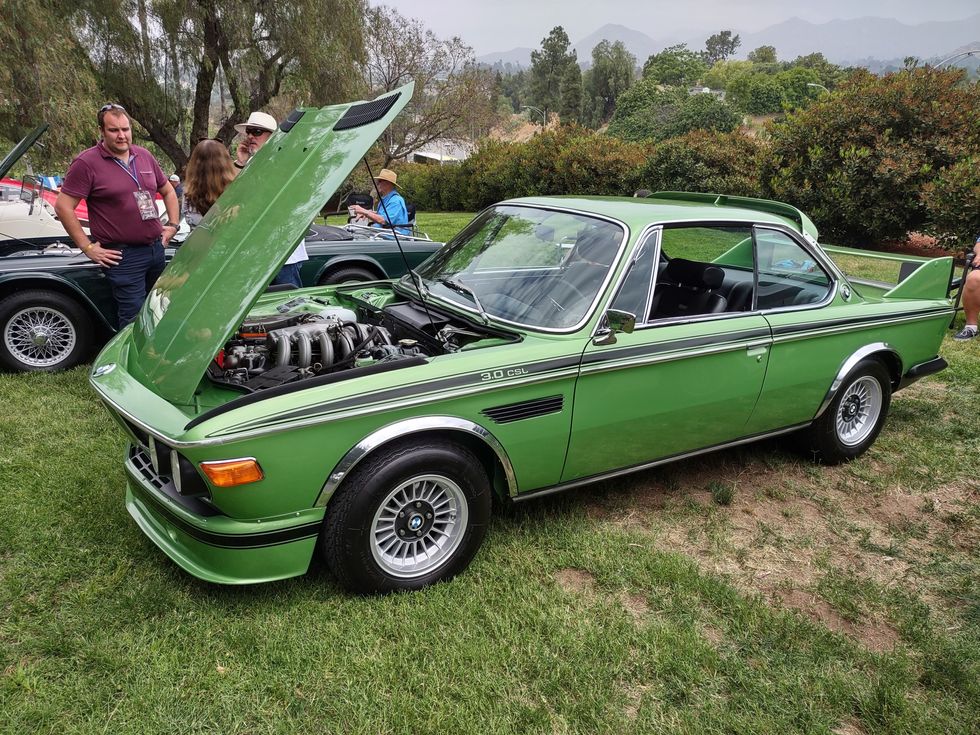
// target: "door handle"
[[757, 351]]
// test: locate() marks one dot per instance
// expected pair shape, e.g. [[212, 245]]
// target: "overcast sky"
[[500, 25]]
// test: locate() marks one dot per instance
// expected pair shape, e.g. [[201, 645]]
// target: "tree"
[[609, 76], [164, 65], [720, 46], [571, 95], [34, 87], [454, 98], [675, 66], [858, 161], [548, 67], [647, 112], [763, 55]]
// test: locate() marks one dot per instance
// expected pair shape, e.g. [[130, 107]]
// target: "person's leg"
[[155, 266], [128, 281], [288, 274], [971, 305]]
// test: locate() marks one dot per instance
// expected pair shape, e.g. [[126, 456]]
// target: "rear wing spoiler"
[[896, 276]]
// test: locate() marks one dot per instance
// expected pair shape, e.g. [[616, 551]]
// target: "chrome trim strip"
[[655, 463], [669, 356], [406, 428], [849, 364]]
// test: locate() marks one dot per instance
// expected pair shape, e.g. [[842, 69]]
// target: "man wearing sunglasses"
[[255, 132], [119, 180]]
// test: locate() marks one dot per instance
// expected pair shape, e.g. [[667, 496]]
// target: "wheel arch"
[[12, 284], [474, 437], [347, 261], [881, 351]]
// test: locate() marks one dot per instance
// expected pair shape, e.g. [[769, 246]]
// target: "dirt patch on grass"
[[848, 727], [789, 526], [873, 634], [576, 581], [635, 605]]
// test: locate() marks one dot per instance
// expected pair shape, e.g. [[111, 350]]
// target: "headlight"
[[185, 477]]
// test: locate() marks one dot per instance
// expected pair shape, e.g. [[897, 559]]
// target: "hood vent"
[[524, 410], [366, 112]]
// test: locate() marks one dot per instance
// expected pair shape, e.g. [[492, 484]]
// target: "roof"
[[681, 207]]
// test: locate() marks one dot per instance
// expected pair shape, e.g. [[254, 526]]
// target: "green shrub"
[[647, 112], [952, 202], [706, 161], [857, 161]]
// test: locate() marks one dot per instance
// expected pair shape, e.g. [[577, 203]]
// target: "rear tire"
[[854, 417], [43, 331], [350, 274], [411, 515]]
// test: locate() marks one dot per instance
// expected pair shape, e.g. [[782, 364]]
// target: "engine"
[[271, 351]]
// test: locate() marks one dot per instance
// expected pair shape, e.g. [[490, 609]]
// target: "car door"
[[677, 383]]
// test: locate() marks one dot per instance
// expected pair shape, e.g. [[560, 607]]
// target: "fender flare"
[[848, 365], [37, 279], [405, 428], [342, 261]]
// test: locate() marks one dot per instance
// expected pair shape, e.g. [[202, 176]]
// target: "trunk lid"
[[229, 259]]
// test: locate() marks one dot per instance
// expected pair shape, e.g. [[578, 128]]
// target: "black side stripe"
[[676, 345], [224, 540], [866, 320]]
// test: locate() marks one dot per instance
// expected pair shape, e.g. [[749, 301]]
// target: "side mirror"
[[613, 322]]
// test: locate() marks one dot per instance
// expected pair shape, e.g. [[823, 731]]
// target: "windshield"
[[534, 267]]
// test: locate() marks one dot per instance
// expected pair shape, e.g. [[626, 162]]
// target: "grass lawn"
[[747, 591]]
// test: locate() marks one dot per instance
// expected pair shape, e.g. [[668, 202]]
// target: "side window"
[[703, 270], [635, 292], [788, 274]]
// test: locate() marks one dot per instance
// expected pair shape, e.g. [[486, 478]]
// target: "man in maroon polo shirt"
[[118, 180]]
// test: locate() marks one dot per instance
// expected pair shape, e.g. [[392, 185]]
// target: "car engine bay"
[[309, 337]]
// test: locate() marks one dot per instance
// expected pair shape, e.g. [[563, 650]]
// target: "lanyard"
[[130, 169]]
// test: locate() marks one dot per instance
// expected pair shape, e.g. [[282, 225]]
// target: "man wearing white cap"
[[255, 132], [391, 208]]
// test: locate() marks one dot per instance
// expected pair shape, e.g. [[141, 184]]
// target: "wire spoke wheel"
[[39, 336], [418, 526], [858, 411]]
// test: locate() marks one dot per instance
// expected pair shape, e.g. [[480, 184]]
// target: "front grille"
[[140, 460], [524, 409]]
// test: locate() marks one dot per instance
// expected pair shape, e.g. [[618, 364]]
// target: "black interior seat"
[[740, 296], [688, 287]]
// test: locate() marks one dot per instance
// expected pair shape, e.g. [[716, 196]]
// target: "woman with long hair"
[[209, 171]]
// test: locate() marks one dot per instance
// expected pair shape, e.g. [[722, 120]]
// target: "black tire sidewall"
[[344, 275], [825, 441], [350, 515], [70, 309]]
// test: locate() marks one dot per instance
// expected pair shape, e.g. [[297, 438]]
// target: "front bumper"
[[210, 545]]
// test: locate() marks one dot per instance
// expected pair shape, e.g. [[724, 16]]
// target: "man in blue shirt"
[[391, 208]]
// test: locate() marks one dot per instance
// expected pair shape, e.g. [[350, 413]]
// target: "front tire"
[[348, 274], [854, 417], [409, 516], [43, 331]]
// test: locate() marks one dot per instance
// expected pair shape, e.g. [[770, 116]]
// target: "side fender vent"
[[366, 112], [524, 410]]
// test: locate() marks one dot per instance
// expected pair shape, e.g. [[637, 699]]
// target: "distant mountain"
[[637, 43], [853, 42], [860, 39], [517, 57]]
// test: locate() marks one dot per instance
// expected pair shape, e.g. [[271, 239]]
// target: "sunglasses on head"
[[106, 108], [256, 132]]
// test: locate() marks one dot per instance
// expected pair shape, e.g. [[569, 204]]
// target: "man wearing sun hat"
[[391, 208], [255, 132]]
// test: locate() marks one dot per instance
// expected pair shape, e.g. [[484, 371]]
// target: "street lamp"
[[544, 117], [818, 86], [954, 57]]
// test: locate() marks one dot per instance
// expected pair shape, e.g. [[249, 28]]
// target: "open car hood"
[[231, 257], [21, 148]]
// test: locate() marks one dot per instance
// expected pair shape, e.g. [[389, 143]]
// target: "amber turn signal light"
[[232, 472]]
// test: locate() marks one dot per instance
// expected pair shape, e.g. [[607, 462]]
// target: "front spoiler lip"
[[252, 540]]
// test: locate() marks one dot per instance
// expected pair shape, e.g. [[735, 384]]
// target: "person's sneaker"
[[968, 332]]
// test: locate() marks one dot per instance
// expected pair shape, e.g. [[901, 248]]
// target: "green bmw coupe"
[[552, 343]]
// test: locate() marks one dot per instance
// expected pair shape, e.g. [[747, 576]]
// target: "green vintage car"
[[552, 343]]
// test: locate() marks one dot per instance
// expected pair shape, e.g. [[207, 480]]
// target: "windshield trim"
[[590, 312]]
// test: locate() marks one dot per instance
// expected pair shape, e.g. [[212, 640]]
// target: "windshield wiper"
[[458, 286]]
